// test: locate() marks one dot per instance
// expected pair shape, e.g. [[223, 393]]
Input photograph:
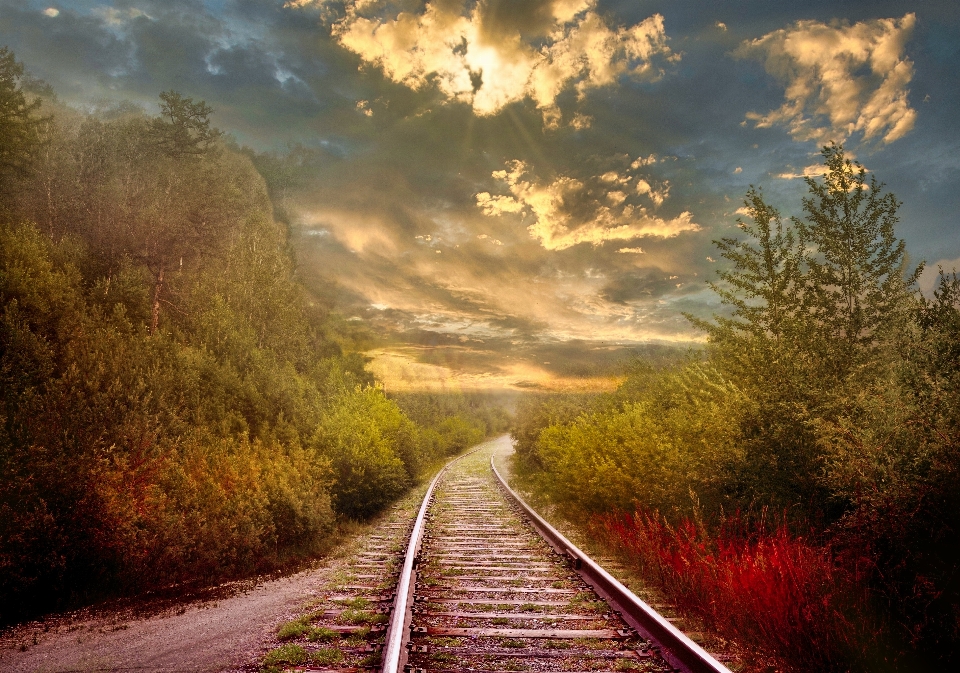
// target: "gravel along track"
[[491, 595]]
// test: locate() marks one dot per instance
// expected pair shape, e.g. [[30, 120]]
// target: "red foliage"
[[767, 589]]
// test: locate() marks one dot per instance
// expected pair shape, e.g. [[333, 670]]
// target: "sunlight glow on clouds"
[[812, 171], [457, 50], [853, 77], [568, 211]]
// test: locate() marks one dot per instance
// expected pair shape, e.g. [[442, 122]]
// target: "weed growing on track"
[[295, 655], [352, 616], [302, 627]]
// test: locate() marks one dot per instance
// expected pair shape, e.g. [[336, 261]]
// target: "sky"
[[536, 173]]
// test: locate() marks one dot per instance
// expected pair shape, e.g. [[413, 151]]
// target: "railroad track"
[[485, 584]]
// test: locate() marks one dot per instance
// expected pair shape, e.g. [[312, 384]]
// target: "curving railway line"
[[482, 583]]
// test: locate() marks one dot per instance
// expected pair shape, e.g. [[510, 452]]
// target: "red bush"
[[767, 589]]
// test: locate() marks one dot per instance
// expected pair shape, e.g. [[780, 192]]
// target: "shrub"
[[769, 590]]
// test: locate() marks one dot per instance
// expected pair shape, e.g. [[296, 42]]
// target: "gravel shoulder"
[[229, 628]]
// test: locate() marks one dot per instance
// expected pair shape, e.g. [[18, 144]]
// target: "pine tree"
[[856, 280], [765, 285]]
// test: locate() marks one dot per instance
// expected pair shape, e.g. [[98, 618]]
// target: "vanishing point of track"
[[483, 584], [488, 585]]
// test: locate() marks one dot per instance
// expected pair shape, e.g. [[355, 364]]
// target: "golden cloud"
[[558, 209], [449, 47], [840, 79]]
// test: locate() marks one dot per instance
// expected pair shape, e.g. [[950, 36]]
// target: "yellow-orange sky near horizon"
[[400, 371]]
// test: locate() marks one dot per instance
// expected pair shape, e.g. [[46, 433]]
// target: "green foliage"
[[183, 128], [857, 283], [830, 393], [370, 445], [171, 409], [448, 423], [20, 128], [538, 412], [656, 450], [765, 285]]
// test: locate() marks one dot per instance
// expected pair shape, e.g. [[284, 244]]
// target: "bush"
[[769, 590], [370, 446]]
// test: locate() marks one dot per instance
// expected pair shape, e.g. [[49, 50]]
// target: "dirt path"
[[206, 636], [228, 631]]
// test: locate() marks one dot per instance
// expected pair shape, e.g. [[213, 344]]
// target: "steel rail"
[[676, 648], [398, 630]]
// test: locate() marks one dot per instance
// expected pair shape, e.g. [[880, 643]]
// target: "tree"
[[765, 285], [836, 280], [19, 127], [183, 128], [857, 282], [814, 306]]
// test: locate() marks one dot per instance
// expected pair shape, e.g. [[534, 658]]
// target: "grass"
[[557, 644], [771, 590], [354, 616], [293, 629], [322, 634], [512, 642], [371, 660], [302, 627], [325, 657], [294, 655]]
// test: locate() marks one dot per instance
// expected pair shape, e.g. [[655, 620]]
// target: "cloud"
[[644, 161], [482, 58], [657, 194], [51, 12], [118, 17], [568, 211], [840, 79], [631, 251], [811, 171]]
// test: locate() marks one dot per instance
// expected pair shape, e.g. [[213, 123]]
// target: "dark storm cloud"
[[70, 51]]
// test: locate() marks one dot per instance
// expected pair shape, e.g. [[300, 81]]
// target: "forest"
[[793, 485], [175, 407]]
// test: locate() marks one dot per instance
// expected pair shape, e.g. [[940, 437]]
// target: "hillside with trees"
[[174, 407]]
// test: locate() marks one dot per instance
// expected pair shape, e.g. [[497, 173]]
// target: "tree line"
[[175, 408], [822, 420]]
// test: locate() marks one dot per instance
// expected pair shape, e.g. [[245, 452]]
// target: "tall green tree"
[[813, 306], [856, 275], [765, 285]]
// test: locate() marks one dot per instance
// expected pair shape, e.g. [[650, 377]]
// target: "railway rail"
[[484, 584]]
